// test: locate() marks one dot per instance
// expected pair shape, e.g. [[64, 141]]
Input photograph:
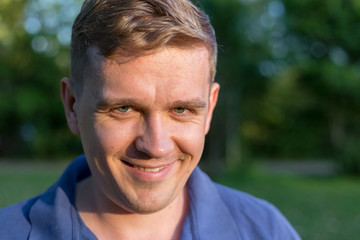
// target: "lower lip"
[[150, 176]]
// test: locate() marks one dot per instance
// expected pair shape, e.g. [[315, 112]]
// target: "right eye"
[[180, 110], [123, 109]]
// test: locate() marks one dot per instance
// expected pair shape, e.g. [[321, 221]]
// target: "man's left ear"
[[214, 92]]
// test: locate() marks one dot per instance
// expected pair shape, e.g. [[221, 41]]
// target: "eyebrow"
[[192, 103], [110, 103]]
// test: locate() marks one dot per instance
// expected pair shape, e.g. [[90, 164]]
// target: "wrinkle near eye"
[[100, 122]]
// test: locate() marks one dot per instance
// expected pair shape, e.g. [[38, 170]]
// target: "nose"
[[155, 138]]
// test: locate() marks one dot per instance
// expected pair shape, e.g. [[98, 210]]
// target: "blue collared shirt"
[[216, 212]]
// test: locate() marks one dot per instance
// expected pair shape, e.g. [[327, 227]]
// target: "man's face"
[[143, 123]]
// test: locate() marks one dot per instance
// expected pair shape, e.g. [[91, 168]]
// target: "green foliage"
[[329, 74], [290, 75], [32, 121]]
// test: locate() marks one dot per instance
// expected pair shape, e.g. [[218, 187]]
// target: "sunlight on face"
[[143, 124]]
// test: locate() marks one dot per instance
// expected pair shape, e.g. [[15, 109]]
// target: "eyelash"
[[178, 111], [127, 109], [181, 109], [186, 111]]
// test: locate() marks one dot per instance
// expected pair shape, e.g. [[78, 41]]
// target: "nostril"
[[135, 152], [154, 139], [154, 147]]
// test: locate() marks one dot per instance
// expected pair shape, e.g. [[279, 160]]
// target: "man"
[[141, 98]]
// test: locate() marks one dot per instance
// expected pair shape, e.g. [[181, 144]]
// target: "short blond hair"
[[137, 27]]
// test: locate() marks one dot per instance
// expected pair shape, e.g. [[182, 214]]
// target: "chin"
[[145, 204], [146, 208]]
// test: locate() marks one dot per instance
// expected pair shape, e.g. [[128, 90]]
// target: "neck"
[[121, 224]]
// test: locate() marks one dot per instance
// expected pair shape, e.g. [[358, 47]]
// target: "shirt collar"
[[208, 216]]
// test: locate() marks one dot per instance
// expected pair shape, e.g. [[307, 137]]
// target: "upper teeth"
[[148, 169]]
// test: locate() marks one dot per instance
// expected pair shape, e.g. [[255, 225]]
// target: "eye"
[[179, 110], [123, 109]]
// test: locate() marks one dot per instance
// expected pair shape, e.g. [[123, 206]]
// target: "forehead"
[[164, 76], [176, 63], [96, 61]]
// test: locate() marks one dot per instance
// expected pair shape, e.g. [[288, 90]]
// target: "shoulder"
[[15, 220], [256, 213], [244, 202], [216, 208], [45, 214]]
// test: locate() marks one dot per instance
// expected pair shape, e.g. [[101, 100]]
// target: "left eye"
[[123, 109], [179, 110]]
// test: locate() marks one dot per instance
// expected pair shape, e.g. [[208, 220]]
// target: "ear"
[[69, 101], [214, 92]]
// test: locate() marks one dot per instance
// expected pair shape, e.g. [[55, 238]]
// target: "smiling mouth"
[[157, 169]]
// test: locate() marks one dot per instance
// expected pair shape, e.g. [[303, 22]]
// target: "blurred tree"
[[289, 72], [309, 106], [32, 63], [330, 72], [243, 43]]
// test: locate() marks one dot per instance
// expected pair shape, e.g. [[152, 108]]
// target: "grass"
[[319, 208], [22, 180]]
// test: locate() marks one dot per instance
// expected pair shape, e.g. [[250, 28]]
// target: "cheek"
[[103, 144], [114, 137], [191, 141], [104, 138]]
